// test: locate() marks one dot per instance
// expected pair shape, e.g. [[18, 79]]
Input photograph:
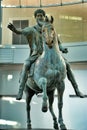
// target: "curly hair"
[[39, 11]]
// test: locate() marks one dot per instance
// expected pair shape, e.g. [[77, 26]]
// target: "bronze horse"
[[49, 74]]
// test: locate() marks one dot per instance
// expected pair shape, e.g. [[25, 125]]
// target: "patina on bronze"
[[36, 48], [46, 67], [49, 74]]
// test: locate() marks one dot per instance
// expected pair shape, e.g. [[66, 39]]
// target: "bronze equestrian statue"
[[49, 74], [35, 43], [48, 70]]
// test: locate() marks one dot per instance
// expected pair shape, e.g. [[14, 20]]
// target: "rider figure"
[[33, 35]]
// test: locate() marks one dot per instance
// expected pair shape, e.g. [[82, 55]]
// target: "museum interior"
[[70, 23]]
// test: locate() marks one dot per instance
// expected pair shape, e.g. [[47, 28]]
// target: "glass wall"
[[70, 20]]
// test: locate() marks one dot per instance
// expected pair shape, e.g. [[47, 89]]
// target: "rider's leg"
[[73, 81], [23, 78], [24, 74]]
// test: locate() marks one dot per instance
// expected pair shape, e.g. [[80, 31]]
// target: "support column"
[[0, 23]]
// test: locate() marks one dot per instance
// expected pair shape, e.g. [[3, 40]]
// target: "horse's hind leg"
[[29, 94], [61, 87], [51, 99]]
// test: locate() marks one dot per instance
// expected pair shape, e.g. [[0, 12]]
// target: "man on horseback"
[[33, 35]]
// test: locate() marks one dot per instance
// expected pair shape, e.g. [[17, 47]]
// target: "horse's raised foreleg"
[[61, 87], [51, 99], [29, 95], [43, 86]]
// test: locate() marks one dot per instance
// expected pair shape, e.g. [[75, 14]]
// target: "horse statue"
[[49, 74]]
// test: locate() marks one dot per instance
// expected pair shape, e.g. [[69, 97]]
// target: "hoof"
[[29, 127], [56, 126], [63, 127], [44, 107]]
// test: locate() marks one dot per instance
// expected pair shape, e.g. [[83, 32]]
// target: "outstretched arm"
[[13, 29], [64, 50]]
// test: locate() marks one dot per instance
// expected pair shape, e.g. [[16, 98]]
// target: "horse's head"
[[48, 32]]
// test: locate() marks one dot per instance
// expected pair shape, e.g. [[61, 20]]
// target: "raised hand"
[[11, 27]]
